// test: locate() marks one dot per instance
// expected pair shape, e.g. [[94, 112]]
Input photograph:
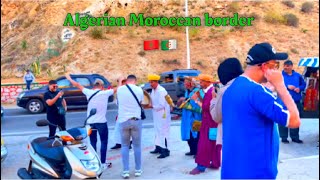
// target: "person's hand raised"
[[274, 77]]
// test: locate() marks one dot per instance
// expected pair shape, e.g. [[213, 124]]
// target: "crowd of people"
[[235, 127]]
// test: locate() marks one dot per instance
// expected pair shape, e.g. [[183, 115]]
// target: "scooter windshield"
[[78, 133]]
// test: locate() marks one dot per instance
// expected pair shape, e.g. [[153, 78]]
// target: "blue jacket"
[[188, 116], [296, 80]]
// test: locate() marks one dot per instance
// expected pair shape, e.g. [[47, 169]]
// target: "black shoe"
[[164, 153], [297, 141], [117, 146], [156, 151], [189, 154], [285, 141]]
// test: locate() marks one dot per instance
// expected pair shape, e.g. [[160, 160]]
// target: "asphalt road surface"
[[19, 121]]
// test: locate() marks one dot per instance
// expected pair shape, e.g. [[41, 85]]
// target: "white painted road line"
[[146, 125]]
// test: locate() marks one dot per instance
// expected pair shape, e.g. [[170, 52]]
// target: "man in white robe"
[[161, 117]]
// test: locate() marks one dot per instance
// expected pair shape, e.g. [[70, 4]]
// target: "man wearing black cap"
[[295, 85], [54, 101], [250, 113]]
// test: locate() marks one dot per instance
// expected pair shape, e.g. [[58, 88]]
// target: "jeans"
[[58, 120], [294, 132], [29, 84], [128, 129], [193, 143], [102, 129]]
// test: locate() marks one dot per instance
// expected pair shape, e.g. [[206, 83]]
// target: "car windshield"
[[78, 133]]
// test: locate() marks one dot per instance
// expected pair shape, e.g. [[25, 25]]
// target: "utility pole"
[[187, 36]]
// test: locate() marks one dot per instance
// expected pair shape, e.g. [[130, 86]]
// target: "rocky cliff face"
[[33, 31]]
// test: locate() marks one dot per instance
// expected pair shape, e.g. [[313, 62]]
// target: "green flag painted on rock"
[[168, 44]]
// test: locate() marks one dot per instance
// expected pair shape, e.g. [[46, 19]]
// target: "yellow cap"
[[153, 77], [205, 77]]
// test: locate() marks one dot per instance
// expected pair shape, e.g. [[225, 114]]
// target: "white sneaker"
[[125, 174], [138, 173]]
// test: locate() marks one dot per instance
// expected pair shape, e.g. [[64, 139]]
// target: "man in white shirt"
[[98, 99], [129, 119], [161, 116]]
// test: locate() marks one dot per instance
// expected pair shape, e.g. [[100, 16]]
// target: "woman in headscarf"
[[228, 70]]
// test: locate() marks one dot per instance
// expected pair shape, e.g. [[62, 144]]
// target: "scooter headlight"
[[92, 164]]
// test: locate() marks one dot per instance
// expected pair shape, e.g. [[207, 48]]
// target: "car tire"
[[35, 106]]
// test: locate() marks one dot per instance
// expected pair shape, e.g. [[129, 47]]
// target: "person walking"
[[250, 112], [295, 85], [161, 116], [56, 107], [29, 78], [208, 154], [97, 99], [130, 97]]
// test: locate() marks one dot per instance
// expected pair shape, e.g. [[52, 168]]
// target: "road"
[[18, 121]]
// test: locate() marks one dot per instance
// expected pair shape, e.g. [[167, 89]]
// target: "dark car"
[[33, 101], [172, 81], [2, 113]]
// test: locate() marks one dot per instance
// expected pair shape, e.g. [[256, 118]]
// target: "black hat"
[[263, 52], [288, 62], [229, 69], [52, 82]]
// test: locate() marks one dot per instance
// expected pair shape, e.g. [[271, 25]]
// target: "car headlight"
[[21, 95], [92, 164]]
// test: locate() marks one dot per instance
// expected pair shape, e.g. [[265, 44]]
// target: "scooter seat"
[[48, 149]]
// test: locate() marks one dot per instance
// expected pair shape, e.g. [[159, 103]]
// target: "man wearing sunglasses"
[[250, 113], [54, 101]]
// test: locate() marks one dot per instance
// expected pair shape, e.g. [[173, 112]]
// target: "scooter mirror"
[[42, 122], [93, 111]]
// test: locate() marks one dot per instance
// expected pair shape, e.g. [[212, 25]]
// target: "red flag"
[[151, 45]]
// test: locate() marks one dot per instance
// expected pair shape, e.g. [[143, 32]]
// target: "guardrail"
[[10, 91]]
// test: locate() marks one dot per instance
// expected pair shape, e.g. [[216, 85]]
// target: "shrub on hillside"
[[194, 32], [96, 33], [141, 53], [24, 45], [291, 20], [274, 17], [307, 7], [234, 7], [290, 4]]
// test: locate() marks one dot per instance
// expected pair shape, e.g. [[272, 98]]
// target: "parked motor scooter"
[[4, 151], [67, 155]]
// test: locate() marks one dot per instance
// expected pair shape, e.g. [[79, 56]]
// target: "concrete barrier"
[[9, 92]]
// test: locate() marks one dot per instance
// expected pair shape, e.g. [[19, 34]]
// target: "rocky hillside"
[[32, 36]]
